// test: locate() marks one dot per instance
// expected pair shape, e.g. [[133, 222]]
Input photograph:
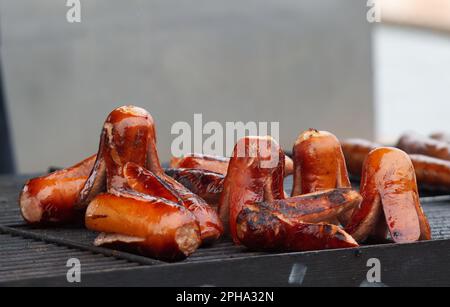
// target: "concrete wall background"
[[304, 63]]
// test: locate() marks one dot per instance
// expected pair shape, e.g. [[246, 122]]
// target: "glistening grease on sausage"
[[146, 182], [319, 163], [128, 136], [51, 198], [388, 186], [216, 164], [207, 185], [152, 226]]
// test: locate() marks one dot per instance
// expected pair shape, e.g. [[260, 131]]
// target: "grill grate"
[[28, 258], [27, 252]]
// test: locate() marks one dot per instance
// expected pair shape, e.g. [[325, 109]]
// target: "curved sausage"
[[207, 185], [315, 207], [414, 143], [215, 164], [126, 137], [431, 173], [51, 198], [388, 186], [210, 163], [260, 229], [129, 136], [154, 227]]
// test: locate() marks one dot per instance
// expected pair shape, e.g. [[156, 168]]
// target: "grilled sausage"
[[152, 226], [431, 173], [128, 136], [251, 175], [214, 164], [414, 143], [207, 185], [51, 198], [319, 163], [355, 152], [388, 186], [261, 229], [146, 182]]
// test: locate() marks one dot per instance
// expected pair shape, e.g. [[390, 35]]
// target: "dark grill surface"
[[27, 258], [27, 252]]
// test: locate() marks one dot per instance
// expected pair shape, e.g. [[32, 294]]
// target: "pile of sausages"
[[136, 205]]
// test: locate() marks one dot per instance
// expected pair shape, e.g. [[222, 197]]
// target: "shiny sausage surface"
[[153, 227], [388, 185], [319, 163], [51, 198]]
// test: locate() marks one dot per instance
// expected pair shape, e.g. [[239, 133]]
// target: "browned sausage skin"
[[154, 227], [388, 186], [126, 136], [51, 198], [260, 229], [355, 152], [129, 136], [431, 173], [414, 143], [214, 164], [146, 182], [210, 163], [319, 163], [258, 215], [208, 185], [252, 173]]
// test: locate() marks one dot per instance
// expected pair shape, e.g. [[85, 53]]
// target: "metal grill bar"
[[82, 246], [25, 258]]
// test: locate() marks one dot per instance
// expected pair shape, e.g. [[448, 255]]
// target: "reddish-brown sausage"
[[319, 163], [208, 185], [146, 182], [431, 173], [355, 152], [51, 198], [261, 229], [154, 227], [388, 186], [254, 172], [214, 164], [414, 143], [129, 136]]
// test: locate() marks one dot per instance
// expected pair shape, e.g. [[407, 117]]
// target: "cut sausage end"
[[187, 239], [30, 208]]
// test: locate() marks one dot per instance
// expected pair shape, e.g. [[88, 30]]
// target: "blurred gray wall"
[[302, 63]]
